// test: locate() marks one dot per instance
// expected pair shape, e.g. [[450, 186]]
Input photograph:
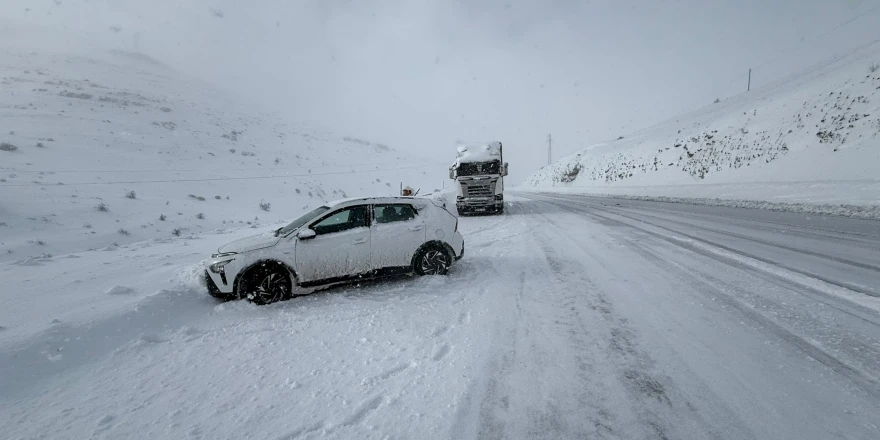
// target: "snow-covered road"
[[569, 317]]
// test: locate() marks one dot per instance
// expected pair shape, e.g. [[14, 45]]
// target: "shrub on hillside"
[[6, 146], [874, 67], [102, 207], [265, 206], [162, 217], [200, 216], [130, 195]]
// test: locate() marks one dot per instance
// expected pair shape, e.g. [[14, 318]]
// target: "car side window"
[[342, 220], [393, 213]]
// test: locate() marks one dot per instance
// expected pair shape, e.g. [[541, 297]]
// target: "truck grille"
[[478, 190]]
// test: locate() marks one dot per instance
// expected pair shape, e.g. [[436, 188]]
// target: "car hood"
[[252, 243]]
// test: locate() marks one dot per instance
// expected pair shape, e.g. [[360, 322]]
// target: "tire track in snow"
[[765, 242], [705, 282], [841, 284], [764, 224], [865, 382], [655, 402], [845, 306]]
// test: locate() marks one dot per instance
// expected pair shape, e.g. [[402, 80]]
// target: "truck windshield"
[[479, 168]]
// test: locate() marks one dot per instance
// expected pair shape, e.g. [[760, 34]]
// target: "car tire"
[[265, 284], [432, 260]]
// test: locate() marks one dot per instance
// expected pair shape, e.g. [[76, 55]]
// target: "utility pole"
[[549, 149], [749, 88]]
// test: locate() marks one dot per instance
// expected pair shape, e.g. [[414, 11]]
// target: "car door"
[[397, 232], [340, 247]]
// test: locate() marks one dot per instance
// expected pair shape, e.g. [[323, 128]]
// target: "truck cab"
[[479, 171]]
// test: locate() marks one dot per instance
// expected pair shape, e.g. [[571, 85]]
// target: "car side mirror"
[[504, 171], [451, 173], [306, 234]]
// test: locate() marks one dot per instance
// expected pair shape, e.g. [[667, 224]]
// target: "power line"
[[826, 33], [216, 179], [780, 54]]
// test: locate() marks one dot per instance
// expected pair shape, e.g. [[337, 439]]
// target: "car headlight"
[[217, 267]]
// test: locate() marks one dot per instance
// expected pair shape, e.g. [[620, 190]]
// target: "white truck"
[[479, 171]]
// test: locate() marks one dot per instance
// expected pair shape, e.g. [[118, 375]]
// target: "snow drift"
[[812, 138]]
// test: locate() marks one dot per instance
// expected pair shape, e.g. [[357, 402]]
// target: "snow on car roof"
[[480, 152]]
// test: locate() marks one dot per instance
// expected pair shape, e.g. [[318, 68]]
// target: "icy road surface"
[[569, 317]]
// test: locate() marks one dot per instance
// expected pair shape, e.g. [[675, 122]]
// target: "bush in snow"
[[102, 207], [162, 217], [124, 232], [199, 198], [200, 216], [67, 94], [176, 232], [265, 206], [87, 226], [131, 195], [874, 67], [571, 174], [40, 145], [218, 197], [6, 146]]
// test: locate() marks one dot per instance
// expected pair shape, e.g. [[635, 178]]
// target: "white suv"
[[337, 243]]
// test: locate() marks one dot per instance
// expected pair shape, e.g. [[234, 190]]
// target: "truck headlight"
[[499, 196]]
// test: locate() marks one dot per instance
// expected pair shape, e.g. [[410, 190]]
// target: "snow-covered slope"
[[104, 148], [812, 138]]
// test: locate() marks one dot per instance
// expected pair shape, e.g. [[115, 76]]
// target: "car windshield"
[[301, 221]]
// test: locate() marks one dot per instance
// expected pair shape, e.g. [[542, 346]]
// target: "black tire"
[[432, 260], [265, 284]]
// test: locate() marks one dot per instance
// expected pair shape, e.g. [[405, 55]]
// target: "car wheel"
[[265, 284], [432, 260]]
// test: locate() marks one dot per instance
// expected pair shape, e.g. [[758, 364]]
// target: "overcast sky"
[[419, 75]]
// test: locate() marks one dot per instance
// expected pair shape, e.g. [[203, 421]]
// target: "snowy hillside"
[[813, 138], [105, 148]]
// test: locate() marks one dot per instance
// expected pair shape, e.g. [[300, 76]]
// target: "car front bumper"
[[479, 205], [457, 244], [220, 284]]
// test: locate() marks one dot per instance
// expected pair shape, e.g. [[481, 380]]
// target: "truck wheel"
[[432, 260]]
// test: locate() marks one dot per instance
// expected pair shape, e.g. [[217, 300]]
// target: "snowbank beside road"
[[814, 139]]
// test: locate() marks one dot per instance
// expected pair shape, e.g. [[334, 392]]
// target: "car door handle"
[[417, 228], [359, 241]]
